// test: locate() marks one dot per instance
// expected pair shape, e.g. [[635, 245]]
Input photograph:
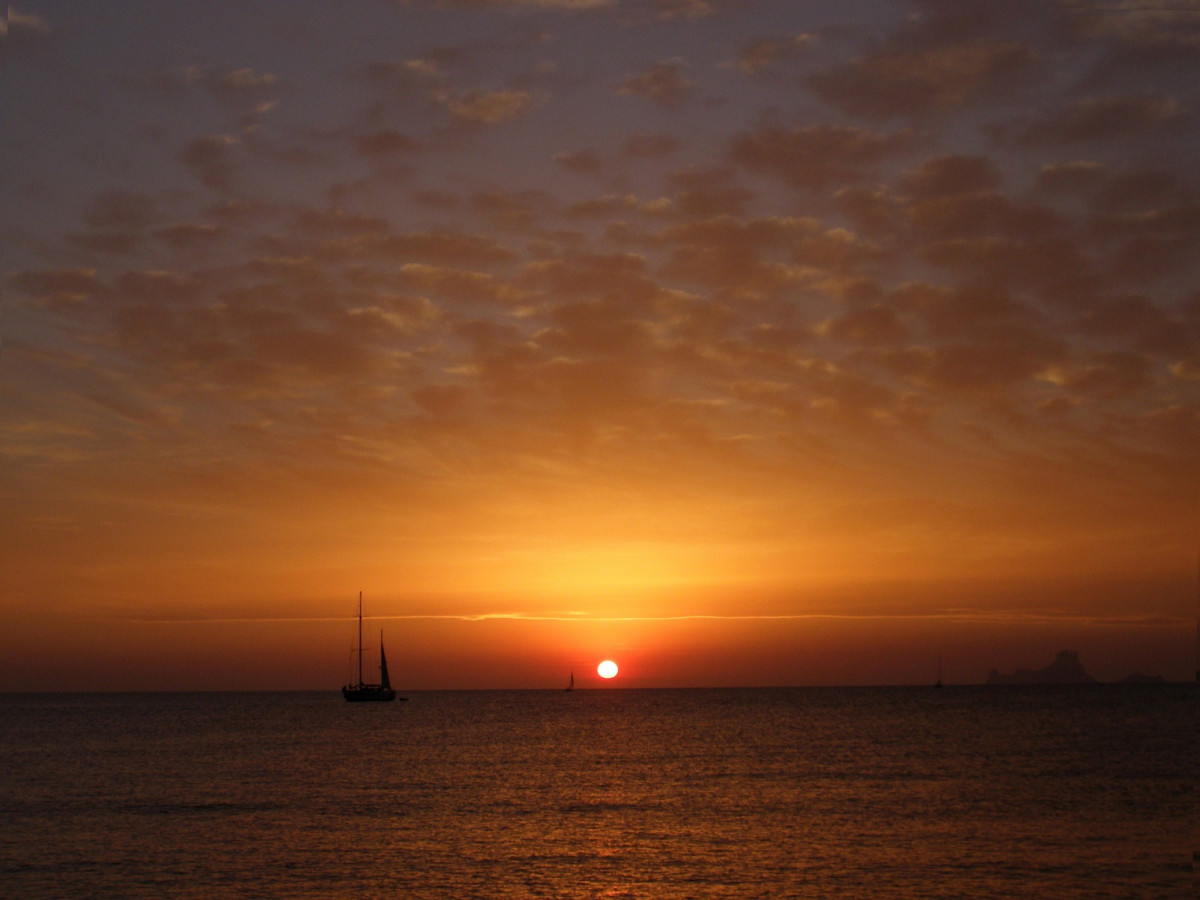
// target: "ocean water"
[[849, 793]]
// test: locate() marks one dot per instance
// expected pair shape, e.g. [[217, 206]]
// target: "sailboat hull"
[[362, 692]]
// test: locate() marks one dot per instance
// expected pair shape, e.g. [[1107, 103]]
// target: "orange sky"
[[743, 343]]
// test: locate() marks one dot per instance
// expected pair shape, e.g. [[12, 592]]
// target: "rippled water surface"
[[884, 792]]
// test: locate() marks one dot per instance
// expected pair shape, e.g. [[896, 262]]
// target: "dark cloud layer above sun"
[[740, 266]]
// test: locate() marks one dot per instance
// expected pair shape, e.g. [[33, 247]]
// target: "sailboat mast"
[[360, 644]]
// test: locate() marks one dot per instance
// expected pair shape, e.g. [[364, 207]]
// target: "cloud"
[[157, 285], [116, 243], [623, 278], [129, 210], [876, 325], [244, 91], [211, 159], [1137, 190], [1010, 356], [267, 341], [245, 350], [24, 33], [448, 248], [407, 84], [385, 144], [897, 83], [629, 11], [57, 285], [20, 23], [186, 236], [595, 327], [514, 5], [1055, 267], [489, 107], [1105, 119], [457, 286], [760, 54], [984, 214], [690, 10], [650, 146], [242, 81], [1137, 322], [964, 340], [605, 208], [954, 173], [760, 258], [817, 157], [373, 247], [339, 222], [742, 258], [1110, 374], [1152, 247], [974, 311], [1159, 42], [705, 193], [662, 83], [580, 162], [1079, 177], [512, 210], [443, 401]]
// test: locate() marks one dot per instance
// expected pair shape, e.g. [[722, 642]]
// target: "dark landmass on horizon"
[[1066, 669]]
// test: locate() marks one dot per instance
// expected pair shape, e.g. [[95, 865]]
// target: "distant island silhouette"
[[1066, 669], [1139, 678]]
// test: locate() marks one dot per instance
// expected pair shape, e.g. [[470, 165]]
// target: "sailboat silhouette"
[[571, 683], [363, 691]]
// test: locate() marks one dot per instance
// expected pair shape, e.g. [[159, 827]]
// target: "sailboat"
[[362, 690], [571, 683], [937, 684]]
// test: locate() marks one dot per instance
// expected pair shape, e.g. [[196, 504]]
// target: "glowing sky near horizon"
[[733, 339]]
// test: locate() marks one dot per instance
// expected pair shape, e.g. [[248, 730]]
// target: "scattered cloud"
[[910, 83], [662, 83], [581, 162], [19, 24], [121, 209], [490, 107], [50, 284], [385, 144], [211, 158], [243, 80], [818, 157], [1107, 119], [762, 54]]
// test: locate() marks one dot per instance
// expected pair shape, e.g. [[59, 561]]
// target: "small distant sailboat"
[[571, 683], [363, 691], [936, 684]]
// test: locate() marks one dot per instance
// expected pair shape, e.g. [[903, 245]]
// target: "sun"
[[606, 669]]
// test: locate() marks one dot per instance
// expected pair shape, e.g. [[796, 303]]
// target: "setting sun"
[[607, 669]]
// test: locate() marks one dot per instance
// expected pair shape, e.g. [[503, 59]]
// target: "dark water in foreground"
[[878, 792]]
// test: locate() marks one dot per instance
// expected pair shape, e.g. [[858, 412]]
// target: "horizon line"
[[583, 617], [921, 685]]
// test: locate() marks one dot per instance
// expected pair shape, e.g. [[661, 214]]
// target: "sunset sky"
[[740, 342]]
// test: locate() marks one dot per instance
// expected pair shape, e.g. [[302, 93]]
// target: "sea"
[[1004, 792]]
